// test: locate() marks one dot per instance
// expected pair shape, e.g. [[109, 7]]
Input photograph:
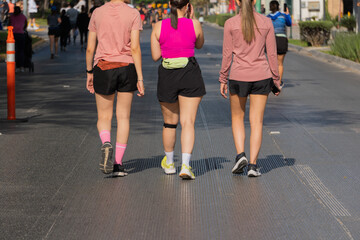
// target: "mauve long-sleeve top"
[[248, 62]]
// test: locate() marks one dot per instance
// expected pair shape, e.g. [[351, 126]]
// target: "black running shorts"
[[281, 45], [243, 89], [122, 79], [186, 82]]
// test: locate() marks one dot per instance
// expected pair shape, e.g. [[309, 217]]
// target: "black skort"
[[54, 31], [122, 79], [186, 82], [281, 45], [243, 89]]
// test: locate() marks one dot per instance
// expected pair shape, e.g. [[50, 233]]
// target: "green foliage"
[[348, 22], [3, 36], [298, 42], [211, 18], [221, 18], [347, 45], [316, 33]]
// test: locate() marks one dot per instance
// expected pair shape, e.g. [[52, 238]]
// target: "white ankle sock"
[[186, 158], [169, 157]]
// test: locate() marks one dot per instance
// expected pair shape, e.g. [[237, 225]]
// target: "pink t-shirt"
[[248, 62], [113, 23]]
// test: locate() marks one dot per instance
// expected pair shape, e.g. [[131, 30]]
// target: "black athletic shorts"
[[54, 31], [32, 15], [186, 82], [243, 89], [281, 45], [122, 79]]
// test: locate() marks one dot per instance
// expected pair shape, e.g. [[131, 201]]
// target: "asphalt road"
[[51, 187]]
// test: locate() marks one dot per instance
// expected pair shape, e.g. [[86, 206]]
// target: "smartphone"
[[285, 7]]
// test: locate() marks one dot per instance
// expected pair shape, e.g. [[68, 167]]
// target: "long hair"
[[175, 5], [248, 22]]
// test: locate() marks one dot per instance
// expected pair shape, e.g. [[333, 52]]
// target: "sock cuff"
[[168, 152], [104, 132], [121, 145]]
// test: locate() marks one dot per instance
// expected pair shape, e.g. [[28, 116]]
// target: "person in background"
[[65, 28], [19, 22], [280, 21], [54, 21], [79, 5], [73, 14], [65, 7], [32, 9], [11, 7], [82, 24], [252, 74]]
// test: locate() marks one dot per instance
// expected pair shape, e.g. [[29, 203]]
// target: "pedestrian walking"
[[19, 22], [73, 14], [280, 21], [115, 69], [32, 9], [252, 75], [82, 24], [180, 84], [54, 21], [65, 28]]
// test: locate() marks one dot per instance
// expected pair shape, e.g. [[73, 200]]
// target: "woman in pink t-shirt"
[[114, 32], [180, 84], [252, 75]]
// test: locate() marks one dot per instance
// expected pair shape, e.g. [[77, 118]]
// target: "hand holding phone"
[[286, 9]]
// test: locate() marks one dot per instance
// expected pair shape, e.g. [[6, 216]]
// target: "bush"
[[211, 18], [347, 45], [317, 33], [348, 22], [221, 18]]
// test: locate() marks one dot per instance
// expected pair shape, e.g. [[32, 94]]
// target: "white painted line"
[[208, 54], [274, 132], [66, 86], [336, 208], [32, 110]]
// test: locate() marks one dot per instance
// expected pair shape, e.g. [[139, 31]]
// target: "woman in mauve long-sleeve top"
[[246, 36]]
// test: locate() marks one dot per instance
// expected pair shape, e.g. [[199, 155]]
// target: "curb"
[[342, 62]]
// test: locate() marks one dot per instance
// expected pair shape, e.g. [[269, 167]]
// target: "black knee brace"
[[166, 125]]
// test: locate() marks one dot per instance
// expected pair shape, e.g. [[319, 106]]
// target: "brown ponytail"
[[175, 5], [248, 20]]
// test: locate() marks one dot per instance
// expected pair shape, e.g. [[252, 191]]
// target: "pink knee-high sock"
[[105, 136], [120, 150]]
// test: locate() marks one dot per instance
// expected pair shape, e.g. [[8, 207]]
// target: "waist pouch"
[[175, 63], [105, 65]]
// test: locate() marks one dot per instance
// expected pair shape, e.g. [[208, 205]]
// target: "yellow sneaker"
[[168, 168], [186, 172]]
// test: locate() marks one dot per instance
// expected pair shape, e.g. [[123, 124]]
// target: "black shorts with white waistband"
[[186, 82], [243, 89], [122, 79]]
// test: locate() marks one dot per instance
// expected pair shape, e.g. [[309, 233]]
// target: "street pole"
[[300, 10], [258, 6]]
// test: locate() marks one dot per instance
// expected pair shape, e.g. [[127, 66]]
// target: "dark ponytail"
[[175, 5], [174, 17]]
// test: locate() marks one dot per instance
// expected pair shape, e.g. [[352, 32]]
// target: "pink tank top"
[[180, 42]]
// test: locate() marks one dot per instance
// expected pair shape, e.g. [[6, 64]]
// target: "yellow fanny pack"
[[175, 63]]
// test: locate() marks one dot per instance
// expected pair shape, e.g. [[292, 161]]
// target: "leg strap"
[[166, 125]]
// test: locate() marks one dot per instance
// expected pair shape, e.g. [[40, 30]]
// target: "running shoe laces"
[[186, 172], [168, 168]]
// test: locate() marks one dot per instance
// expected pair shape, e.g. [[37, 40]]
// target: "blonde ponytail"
[[248, 22]]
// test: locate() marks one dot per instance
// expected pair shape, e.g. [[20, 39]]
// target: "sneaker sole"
[[106, 164], [120, 174], [185, 176], [252, 173], [240, 165]]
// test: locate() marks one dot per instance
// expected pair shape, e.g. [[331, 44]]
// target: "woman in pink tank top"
[[180, 84]]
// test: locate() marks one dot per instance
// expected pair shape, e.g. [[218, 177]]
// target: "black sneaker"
[[240, 162], [253, 171], [119, 171], [106, 163]]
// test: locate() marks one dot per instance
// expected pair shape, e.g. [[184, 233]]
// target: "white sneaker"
[[186, 172], [253, 171], [168, 168]]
